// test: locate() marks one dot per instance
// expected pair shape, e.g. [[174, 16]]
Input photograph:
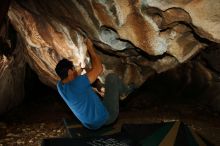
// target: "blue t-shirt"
[[84, 102]]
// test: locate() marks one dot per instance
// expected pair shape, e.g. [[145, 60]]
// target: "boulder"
[[143, 37], [12, 76]]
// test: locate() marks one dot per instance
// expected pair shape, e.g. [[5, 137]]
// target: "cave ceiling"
[[135, 38]]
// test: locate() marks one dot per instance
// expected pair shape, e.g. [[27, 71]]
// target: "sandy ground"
[[42, 117]]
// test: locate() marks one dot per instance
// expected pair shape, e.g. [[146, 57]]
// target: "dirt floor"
[[42, 117]]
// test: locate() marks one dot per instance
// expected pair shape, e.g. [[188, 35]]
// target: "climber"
[[77, 92]]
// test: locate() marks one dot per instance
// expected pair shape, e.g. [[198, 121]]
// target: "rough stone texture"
[[4, 5], [135, 38], [12, 74], [211, 56], [204, 14]]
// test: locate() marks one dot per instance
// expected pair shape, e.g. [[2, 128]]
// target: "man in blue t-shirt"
[[77, 92]]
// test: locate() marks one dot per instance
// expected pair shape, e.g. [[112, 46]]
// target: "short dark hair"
[[62, 68]]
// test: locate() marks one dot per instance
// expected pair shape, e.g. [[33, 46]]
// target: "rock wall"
[[12, 75], [142, 37], [12, 63], [4, 9], [135, 38]]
